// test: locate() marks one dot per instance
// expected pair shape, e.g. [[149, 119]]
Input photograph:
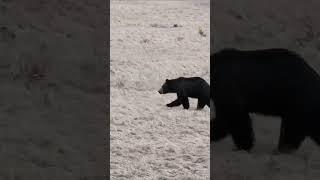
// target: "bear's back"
[[267, 64], [264, 79]]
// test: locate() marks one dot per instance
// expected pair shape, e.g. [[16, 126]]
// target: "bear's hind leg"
[[316, 139], [201, 104], [208, 103], [291, 135]]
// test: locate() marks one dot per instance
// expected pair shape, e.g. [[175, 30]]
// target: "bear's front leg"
[[174, 103], [218, 129], [185, 102], [183, 99], [241, 130]]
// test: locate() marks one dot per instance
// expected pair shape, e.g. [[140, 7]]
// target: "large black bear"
[[274, 82], [194, 87]]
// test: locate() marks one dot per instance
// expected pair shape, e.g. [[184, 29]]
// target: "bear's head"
[[170, 86], [166, 87]]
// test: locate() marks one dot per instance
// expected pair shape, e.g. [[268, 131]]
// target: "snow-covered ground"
[[152, 41]]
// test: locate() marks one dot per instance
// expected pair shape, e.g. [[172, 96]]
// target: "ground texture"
[[152, 41], [53, 89]]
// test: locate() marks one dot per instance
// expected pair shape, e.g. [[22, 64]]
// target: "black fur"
[[272, 82], [194, 87]]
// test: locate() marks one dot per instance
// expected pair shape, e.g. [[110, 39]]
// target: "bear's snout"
[[160, 91]]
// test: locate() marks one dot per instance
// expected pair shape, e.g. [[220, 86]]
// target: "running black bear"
[[194, 87], [274, 82]]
